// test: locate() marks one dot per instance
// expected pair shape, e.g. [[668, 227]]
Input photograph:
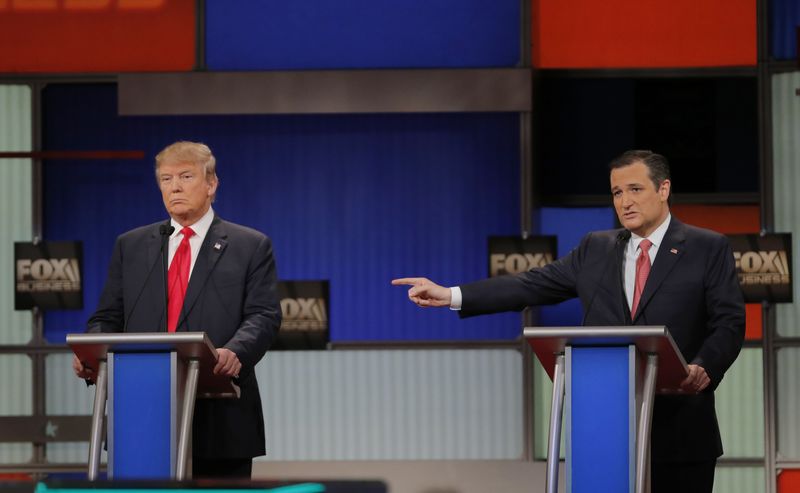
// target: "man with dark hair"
[[654, 271], [221, 280]]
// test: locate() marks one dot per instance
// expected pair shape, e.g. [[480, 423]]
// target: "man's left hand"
[[697, 380], [228, 363]]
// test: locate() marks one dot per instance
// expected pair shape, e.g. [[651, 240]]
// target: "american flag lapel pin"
[[673, 251]]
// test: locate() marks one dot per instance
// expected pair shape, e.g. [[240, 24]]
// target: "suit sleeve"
[[553, 283], [726, 314], [109, 315], [261, 312]]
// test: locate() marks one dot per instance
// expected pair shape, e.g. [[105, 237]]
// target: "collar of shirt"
[[632, 252], [200, 229], [656, 238]]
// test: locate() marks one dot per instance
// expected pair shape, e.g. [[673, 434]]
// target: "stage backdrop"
[[356, 200]]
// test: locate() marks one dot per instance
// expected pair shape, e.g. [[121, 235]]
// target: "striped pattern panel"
[[393, 404], [740, 406], [15, 225], [786, 156], [788, 361], [15, 204], [65, 394], [16, 453], [16, 388], [739, 480], [16, 385]]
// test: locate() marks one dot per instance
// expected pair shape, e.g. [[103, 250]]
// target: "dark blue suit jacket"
[[692, 289], [231, 296]]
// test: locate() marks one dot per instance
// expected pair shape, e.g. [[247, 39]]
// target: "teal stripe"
[[295, 488]]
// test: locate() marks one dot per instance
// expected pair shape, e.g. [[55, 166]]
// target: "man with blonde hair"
[[220, 279]]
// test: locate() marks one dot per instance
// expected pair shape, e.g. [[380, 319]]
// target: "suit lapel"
[[669, 253], [153, 247], [619, 280], [156, 280], [210, 252]]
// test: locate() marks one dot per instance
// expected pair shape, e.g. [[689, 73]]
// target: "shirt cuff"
[[455, 298]]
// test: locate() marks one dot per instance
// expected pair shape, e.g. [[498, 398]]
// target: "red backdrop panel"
[[728, 219], [97, 35], [643, 33], [789, 481]]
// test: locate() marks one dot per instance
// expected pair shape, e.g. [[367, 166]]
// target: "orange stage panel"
[[643, 33], [76, 36], [728, 219]]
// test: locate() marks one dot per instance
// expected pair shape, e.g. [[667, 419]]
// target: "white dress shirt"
[[632, 252], [200, 229]]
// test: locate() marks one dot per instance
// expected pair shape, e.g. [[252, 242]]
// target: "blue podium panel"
[[140, 418], [600, 419]]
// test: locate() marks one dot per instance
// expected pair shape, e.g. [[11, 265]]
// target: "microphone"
[[165, 231], [622, 236]]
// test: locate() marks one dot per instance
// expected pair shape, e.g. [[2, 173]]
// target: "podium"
[[149, 383], [604, 382]]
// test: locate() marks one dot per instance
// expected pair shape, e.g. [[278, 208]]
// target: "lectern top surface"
[[94, 347], [549, 342]]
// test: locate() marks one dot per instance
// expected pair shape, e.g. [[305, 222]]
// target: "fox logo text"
[[765, 267], [48, 275], [514, 263], [304, 314]]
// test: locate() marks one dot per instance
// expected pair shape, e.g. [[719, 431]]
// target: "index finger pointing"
[[409, 281]]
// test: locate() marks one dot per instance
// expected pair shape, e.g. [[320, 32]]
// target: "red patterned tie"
[[642, 271], [178, 278]]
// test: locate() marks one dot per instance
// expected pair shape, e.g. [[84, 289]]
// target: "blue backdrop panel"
[[785, 17], [276, 34], [570, 225], [356, 199], [600, 420], [141, 424]]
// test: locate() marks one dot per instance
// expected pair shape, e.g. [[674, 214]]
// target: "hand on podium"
[[697, 380], [81, 370], [228, 363]]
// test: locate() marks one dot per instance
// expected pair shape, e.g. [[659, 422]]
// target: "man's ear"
[[664, 189], [212, 186]]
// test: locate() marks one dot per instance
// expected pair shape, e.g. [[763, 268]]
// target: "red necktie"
[[642, 271], [178, 279]]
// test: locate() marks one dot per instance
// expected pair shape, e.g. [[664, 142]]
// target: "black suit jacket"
[[231, 296], [692, 289]]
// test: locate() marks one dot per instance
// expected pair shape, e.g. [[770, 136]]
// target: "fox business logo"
[[305, 314], [763, 267], [55, 275], [78, 5], [514, 263]]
